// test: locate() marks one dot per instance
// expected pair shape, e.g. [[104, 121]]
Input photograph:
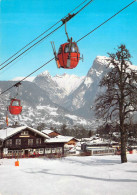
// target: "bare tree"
[[119, 100]]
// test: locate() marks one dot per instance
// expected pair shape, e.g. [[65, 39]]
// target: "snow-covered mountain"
[[59, 86], [65, 99], [68, 82], [82, 99], [46, 82], [37, 108]]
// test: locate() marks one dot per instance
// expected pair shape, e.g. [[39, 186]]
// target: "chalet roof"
[[47, 131], [6, 133], [60, 138]]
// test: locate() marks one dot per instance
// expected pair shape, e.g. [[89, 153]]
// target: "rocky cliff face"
[[82, 99], [52, 89], [59, 86]]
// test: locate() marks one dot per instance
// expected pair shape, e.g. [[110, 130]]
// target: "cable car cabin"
[[15, 107], [68, 55]]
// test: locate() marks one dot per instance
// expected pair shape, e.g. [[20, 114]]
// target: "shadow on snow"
[[46, 171]]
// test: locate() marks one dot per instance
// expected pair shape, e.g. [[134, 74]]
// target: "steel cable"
[[41, 35], [77, 41]]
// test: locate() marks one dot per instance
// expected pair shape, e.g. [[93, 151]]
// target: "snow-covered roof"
[[60, 138], [5, 133], [98, 141], [47, 131]]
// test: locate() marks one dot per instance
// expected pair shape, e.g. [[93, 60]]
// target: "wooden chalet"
[[28, 142], [68, 140]]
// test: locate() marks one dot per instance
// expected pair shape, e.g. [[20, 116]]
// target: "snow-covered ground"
[[102, 175]]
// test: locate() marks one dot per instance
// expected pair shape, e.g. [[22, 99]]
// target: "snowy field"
[[103, 175]]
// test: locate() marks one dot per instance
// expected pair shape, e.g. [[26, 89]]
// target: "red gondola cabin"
[[68, 55], [15, 107]]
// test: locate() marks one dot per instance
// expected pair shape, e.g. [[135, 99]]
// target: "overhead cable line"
[[77, 41], [29, 43], [105, 21], [31, 46], [9, 67], [40, 35], [27, 76], [69, 17]]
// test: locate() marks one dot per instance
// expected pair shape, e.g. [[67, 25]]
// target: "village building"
[[68, 140], [69, 143], [28, 142], [98, 146]]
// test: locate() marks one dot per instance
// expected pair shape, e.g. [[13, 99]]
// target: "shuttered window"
[[18, 141], [30, 142], [9, 142]]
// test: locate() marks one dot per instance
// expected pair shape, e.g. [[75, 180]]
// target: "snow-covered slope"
[[68, 82], [59, 86], [37, 108]]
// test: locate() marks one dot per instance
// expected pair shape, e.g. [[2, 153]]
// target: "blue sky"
[[23, 20]]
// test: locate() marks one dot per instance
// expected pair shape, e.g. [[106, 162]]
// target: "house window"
[[9, 152], [47, 150], [24, 133], [30, 142], [41, 151], [9, 142], [53, 150], [18, 142], [59, 150], [38, 141], [17, 152], [31, 151]]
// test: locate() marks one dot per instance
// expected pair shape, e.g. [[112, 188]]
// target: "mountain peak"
[[45, 73], [99, 64], [101, 60]]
